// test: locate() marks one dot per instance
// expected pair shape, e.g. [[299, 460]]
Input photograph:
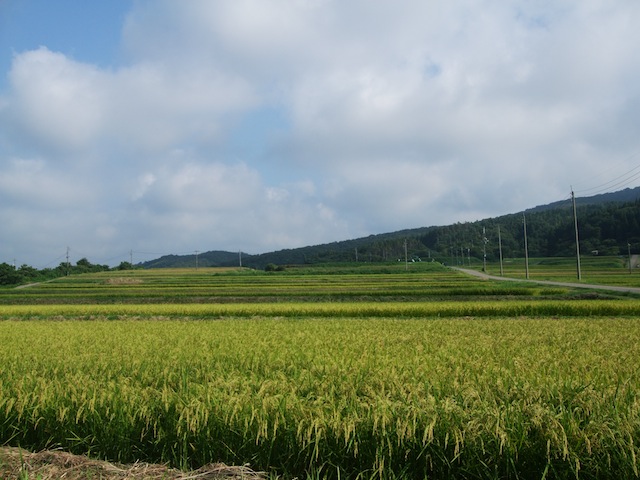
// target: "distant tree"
[[83, 266], [124, 266], [9, 275], [49, 273], [63, 269], [272, 267], [28, 273]]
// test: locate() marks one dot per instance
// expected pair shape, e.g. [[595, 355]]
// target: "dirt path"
[[613, 288], [27, 285]]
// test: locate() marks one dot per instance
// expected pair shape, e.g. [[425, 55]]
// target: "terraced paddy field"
[[326, 373], [594, 269], [424, 282]]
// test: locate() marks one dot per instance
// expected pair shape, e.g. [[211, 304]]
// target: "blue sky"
[[164, 126], [86, 31]]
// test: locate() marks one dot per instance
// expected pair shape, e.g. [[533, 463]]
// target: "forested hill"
[[607, 225], [206, 259], [626, 195]]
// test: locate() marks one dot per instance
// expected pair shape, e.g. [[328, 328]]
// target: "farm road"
[[614, 288]]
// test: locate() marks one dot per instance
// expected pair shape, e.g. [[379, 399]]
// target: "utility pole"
[[575, 222], [240, 258], [526, 247], [629, 254], [406, 259], [131, 257], [500, 249], [68, 266], [356, 254], [484, 249], [197, 252]]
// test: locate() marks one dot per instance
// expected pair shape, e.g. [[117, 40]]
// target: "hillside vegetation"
[[608, 225]]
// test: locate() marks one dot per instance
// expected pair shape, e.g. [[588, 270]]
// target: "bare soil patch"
[[123, 281], [19, 464]]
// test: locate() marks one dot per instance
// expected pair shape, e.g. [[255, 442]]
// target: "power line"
[[616, 183], [53, 261]]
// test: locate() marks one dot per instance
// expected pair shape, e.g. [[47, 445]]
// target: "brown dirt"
[[19, 464]]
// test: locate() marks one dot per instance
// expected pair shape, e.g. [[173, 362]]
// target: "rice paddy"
[[396, 374]]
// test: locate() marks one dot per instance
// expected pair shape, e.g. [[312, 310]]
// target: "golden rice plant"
[[488, 308], [387, 397]]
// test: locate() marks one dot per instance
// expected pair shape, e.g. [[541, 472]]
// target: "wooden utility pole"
[[484, 250], [526, 247], [406, 258], [500, 249], [575, 223]]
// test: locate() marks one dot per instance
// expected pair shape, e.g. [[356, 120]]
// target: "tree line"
[[10, 275]]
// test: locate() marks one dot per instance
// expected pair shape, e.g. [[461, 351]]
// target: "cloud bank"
[[257, 125]]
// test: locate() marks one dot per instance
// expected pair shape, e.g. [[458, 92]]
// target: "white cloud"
[[191, 187], [62, 104], [156, 107], [384, 115], [31, 182], [56, 101]]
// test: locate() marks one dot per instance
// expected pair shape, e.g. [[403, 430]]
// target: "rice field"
[[594, 269], [428, 282], [342, 382]]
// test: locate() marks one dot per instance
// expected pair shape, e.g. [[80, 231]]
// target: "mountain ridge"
[[550, 227]]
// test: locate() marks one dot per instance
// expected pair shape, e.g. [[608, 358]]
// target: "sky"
[[131, 129]]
